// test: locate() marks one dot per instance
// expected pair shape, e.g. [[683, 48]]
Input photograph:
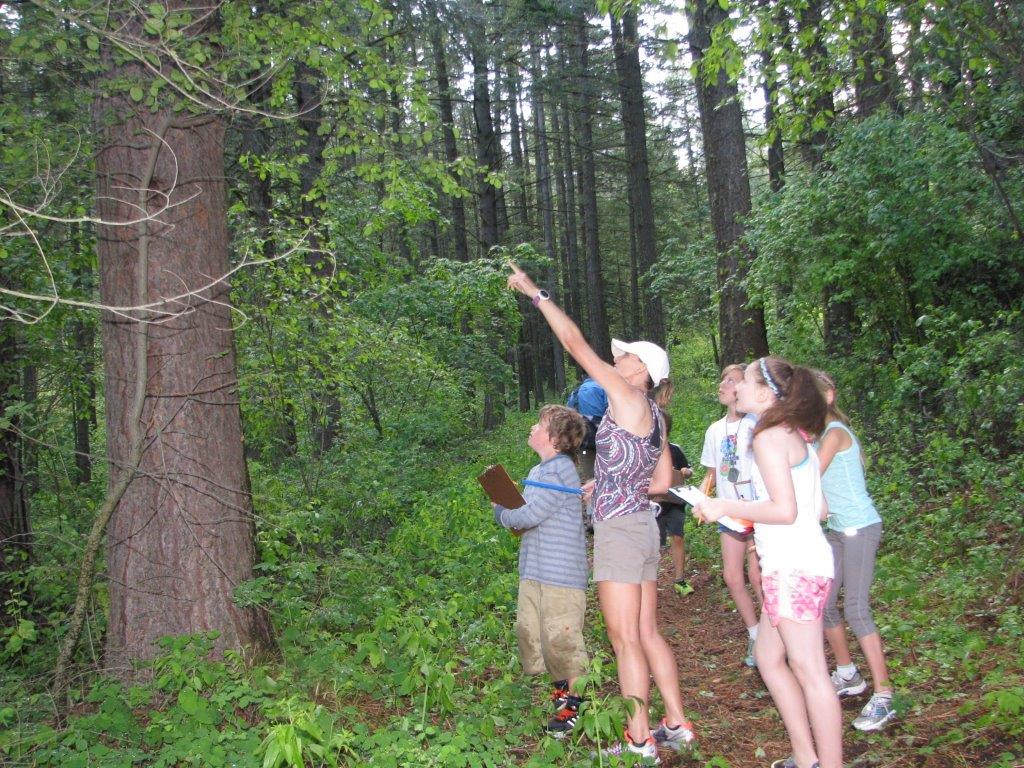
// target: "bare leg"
[[785, 690], [733, 552], [675, 545], [805, 652], [660, 659], [872, 647], [837, 642], [620, 606], [754, 572]]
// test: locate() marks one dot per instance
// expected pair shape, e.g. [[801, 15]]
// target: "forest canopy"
[[256, 341]]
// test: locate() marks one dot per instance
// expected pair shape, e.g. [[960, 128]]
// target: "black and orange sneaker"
[[565, 719], [560, 694]]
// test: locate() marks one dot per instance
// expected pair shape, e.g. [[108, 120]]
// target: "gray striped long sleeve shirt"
[[553, 549]]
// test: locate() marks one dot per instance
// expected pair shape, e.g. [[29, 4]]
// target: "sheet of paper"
[[693, 496]]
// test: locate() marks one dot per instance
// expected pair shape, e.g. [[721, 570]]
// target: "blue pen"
[[553, 487]]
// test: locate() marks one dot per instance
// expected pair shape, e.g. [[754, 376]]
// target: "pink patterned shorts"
[[796, 596]]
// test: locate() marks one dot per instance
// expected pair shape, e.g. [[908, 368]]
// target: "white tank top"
[[801, 545]]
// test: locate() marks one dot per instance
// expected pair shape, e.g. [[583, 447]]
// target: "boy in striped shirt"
[[552, 562]]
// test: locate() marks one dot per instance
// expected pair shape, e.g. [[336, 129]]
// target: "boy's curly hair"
[[565, 428]]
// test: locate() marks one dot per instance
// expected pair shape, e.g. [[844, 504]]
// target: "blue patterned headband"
[[768, 379]]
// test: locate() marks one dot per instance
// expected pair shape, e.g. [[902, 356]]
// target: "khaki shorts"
[[549, 625], [626, 548]]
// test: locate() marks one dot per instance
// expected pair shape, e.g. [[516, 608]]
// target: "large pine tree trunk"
[[740, 327], [875, 81], [309, 86], [819, 103], [488, 160], [486, 144], [456, 204], [545, 202], [15, 535], [598, 335], [817, 98], [634, 123], [567, 193], [520, 201], [182, 536]]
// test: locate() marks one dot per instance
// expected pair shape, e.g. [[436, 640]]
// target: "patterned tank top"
[[624, 465]]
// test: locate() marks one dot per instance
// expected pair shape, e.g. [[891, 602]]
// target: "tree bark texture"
[[634, 123], [598, 335], [567, 193], [486, 145], [456, 204], [309, 86], [15, 535], [520, 200], [741, 328], [545, 202], [182, 536], [875, 79], [819, 103]]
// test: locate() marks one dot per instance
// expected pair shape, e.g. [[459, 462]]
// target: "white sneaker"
[[848, 686], [749, 658], [645, 754], [876, 713], [676, 738]]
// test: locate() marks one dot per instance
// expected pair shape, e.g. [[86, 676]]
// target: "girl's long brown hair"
[[799, 403]]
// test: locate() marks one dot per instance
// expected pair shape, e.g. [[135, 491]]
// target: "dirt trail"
[[733, 713], [727, 702]]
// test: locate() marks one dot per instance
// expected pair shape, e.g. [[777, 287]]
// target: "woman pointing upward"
[[632, 463]]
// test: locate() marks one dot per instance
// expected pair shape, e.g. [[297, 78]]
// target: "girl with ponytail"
[[854, 531], [796, 560]]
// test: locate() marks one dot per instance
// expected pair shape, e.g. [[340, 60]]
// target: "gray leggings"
[[855, 570]]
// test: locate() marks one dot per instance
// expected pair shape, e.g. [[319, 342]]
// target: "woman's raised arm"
[[623, 398]]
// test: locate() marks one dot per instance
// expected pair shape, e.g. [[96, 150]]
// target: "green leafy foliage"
[[902, 220], [390, 588]]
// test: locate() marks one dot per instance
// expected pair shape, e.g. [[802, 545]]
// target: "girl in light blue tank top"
[[854, 532], [850, 506]]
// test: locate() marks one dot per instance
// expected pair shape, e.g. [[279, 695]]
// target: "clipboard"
[[499, 487]]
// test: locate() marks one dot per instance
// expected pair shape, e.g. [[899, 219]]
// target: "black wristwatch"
[[542, 295]]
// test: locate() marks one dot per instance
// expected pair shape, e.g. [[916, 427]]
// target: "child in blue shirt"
[[552, 563]]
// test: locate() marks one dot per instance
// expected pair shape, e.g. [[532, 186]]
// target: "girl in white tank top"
[[796, 560], [801, 546]]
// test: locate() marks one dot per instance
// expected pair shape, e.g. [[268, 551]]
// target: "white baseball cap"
[[650, 354]]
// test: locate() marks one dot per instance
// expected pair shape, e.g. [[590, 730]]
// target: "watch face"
[[542, 294]]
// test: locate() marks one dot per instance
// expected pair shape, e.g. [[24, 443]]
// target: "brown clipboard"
[[499, 487]]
